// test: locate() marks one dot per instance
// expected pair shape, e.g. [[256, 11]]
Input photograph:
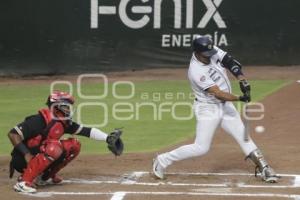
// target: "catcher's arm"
[[18, 144], [113, 140]]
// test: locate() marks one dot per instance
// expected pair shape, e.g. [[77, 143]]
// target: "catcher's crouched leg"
[[51, 150], [71, 149]]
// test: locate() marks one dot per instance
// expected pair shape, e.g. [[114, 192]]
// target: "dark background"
[[54, 36]]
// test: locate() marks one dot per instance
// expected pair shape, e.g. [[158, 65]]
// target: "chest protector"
[[54, 129]]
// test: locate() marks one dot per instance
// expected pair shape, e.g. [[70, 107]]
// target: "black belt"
[[220, 102]]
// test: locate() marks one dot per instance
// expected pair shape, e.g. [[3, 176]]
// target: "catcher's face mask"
[[62, 111]]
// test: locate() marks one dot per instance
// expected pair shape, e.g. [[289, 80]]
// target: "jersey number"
[[214, 75]]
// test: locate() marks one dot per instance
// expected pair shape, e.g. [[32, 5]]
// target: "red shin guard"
[[71, 149], [50, 151], [35, 167]]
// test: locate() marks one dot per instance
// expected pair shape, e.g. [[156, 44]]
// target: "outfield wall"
[[63, 36]]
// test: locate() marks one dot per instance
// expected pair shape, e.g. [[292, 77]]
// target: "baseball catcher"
[[39, 153]]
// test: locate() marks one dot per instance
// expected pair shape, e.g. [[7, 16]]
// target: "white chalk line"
[[160, 183], [84, 181], [118, 196], [297, 181], [181, 184], [127, 179], [142, 173], [132, 179], [212, 190], [242, 185], [49, 194], [223, 174]]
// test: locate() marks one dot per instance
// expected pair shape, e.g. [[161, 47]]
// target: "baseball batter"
[[213, 107]]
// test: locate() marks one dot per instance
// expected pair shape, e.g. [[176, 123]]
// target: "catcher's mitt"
[[115, 143]]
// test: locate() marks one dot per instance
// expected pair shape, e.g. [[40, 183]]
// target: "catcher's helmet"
[[61, 101], [204, 45]]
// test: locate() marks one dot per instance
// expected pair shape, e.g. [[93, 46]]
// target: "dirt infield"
[[220, 175]]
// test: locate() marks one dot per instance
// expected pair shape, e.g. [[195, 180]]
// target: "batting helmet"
[[204, 45], [61, 101]]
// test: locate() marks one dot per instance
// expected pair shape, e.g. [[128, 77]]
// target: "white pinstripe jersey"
[[203, 76]]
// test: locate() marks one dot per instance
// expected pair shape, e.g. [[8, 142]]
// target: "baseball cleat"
[[157, 169], [51, 181], [273, 179], [24, 187], [268, 175]]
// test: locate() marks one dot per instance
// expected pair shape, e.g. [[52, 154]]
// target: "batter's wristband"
[[22, 148]]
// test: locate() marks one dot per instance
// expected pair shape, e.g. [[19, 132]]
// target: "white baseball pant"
[[209, 117]]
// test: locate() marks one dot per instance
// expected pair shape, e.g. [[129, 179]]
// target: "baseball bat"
[[247, 123]]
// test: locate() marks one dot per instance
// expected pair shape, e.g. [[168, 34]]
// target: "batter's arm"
[[224, 96], [233, 66], [236, 69], [241, 77]]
